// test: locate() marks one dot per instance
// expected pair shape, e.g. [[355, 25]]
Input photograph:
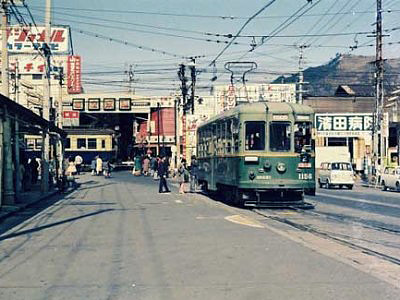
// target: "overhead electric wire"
[[149, 32], [241, 29], [222, 17], [126, 23], [325, 27]]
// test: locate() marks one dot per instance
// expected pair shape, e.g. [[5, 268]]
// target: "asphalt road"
[[119, 239]]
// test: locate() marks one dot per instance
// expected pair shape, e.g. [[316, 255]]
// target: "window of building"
[[81, 143], [279, 136], [37, 76], [255, 135], [38, 144], [30, 144], [332, 141], [92, 143], [68, 143]]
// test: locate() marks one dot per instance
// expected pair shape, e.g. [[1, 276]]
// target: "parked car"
[[336, 174], [390, 179]]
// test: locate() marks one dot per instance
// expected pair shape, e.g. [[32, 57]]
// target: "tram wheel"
[[238, 198]]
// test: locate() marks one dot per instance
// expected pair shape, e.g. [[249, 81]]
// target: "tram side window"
[[68, 143], [92, 144], [103, 144], [302, 135], [81, 143], [255, 135], [279, 134]]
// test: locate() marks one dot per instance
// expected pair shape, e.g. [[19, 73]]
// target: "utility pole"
[[9, 195], [301, 75], [60, 143], [131, 79], [46, 102], [181, 103], [158, 128], [192, 68], [378, 138]]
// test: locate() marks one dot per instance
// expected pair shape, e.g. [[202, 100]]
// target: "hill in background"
[[344, 70]]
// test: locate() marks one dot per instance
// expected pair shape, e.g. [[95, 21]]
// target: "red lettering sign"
[[74, 74]]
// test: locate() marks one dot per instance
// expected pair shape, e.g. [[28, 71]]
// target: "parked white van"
[[390, 179], [336, 174]]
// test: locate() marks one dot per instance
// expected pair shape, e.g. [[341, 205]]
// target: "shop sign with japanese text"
[[29, 39], [74, 74], [343, 125]]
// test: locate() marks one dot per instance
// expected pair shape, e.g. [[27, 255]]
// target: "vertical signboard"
[[74, 74], [184, 136]]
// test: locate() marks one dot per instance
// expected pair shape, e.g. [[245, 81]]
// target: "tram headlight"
[[281, 167], [267, 165]]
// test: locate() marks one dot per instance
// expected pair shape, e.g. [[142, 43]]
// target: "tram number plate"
[[264, 177], [305, 176]]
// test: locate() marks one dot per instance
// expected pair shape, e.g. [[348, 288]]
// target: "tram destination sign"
[[343, 125]]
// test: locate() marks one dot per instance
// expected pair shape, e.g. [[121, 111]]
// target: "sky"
[[136, 33]]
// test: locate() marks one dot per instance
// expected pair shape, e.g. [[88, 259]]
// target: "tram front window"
[[279, 133], [302, 135], [255, 135]]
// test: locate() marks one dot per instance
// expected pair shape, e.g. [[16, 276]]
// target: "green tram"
[[259, 154]]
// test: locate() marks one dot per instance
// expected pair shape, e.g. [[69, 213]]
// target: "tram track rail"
[[345, 219], [327, 235]]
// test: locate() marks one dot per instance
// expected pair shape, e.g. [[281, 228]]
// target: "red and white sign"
[[70, 118], [71, 114], [28, 64], [28, 39], [74, 74]]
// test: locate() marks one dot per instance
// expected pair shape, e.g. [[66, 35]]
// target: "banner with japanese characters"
[[28, 64], [344, 125], [29, 39]]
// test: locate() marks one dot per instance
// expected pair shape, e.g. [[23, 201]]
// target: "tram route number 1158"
[[305, 176]]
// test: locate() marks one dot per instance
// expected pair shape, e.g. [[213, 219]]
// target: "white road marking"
[[178, 201]]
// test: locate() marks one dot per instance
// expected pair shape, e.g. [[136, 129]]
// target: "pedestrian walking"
[[193, 174], [146, 164], [162, 173], [153, 166], [34, 165], [78, 163], [27, 177], [99, 165], [183, 176], [71, 170], [93, 166]]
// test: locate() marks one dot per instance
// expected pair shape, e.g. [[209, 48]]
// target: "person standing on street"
[[183, 176], [99, 165], [162, 173], [78, 163], [193, 174]]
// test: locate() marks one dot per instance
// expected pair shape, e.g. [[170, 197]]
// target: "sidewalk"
[[27, 199]]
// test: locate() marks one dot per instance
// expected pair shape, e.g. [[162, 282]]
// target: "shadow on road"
[[39, 228]]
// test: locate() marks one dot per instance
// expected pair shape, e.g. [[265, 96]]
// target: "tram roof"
[[270, 107], [88, 131]]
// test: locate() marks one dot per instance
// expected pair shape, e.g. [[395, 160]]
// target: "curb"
[[25, 205]]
